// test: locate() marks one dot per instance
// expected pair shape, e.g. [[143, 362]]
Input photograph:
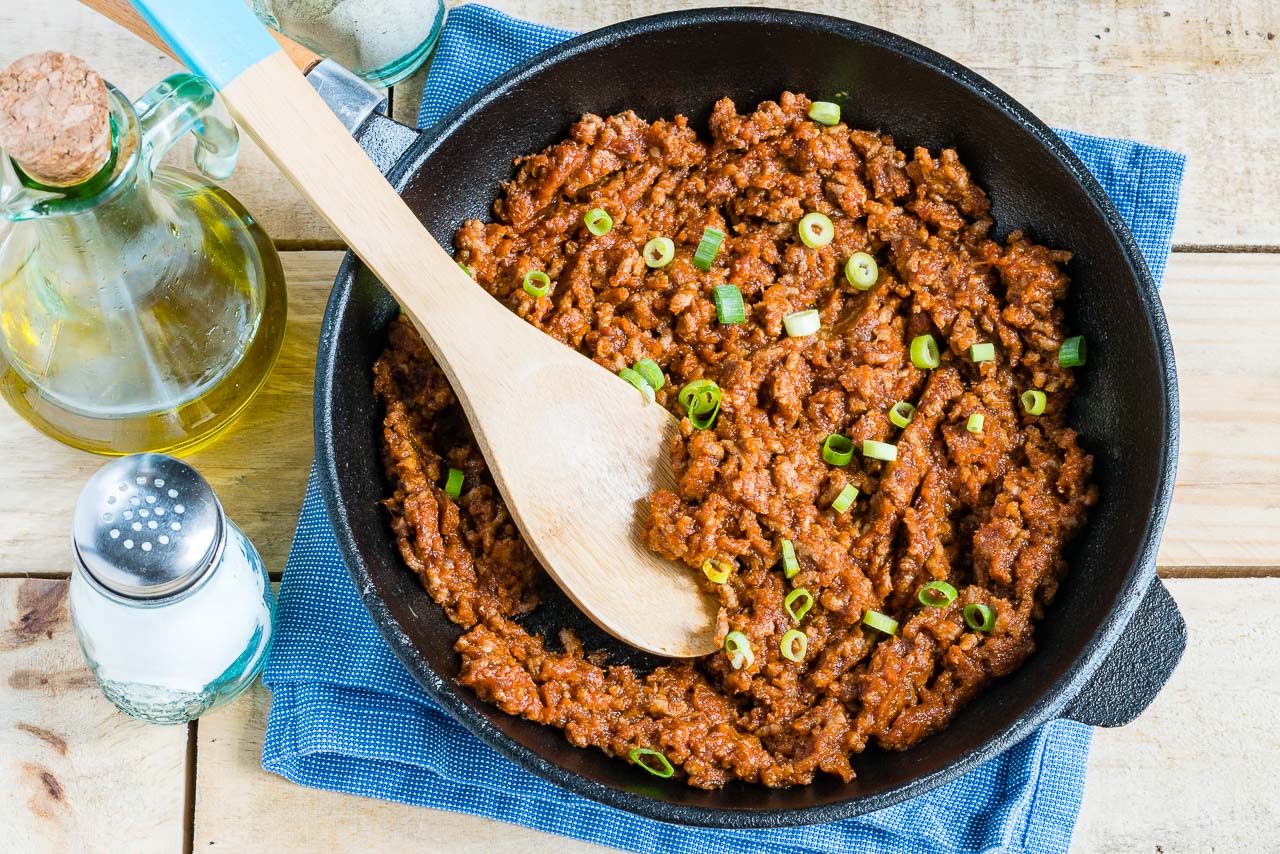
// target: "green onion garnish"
[[880, 622], [937, 594], [790, 566], [468, 270], [794, 645], [979, 617], [902, 413], [984, 352], [1033, 401], [879, 450], [708, 246], [642, 756], [804, 597], [739, 649], [638, 381], [837, 449], [652, 374], [801, 323], [816, 230], [845, 499], [728, 300], [453, 483], [861, 270], [1071, 353], [924, 352], [659, 252], [975, 422], [598, 221], [825, 113], [701, 401], [717, 571], [536, 283]]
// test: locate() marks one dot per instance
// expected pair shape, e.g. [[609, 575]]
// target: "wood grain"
[[1196, 772], [1184, 776], [75, 774], [1225, 518]]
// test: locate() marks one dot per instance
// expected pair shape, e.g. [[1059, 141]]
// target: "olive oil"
[[190, 361], [140, 311]]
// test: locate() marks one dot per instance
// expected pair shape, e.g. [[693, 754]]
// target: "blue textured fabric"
[[346, 716]]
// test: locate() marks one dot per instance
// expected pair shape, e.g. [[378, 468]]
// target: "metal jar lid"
[[147, 527]]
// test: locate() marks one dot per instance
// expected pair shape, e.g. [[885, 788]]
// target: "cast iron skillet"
[[1087, 667]]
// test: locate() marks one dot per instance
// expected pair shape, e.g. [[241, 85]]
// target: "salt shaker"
[[171, 602]]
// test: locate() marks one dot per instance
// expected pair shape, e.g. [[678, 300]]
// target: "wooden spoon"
[[574, 449]]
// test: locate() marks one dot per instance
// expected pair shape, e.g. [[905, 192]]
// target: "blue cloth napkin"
[[346, 716]]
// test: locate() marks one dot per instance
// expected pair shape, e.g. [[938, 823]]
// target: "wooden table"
[[1193, 774]]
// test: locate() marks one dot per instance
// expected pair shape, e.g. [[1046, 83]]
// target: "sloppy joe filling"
[[985, 504]]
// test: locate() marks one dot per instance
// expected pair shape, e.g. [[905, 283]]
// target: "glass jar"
[[141, 309], [170, 601], [383, 41]]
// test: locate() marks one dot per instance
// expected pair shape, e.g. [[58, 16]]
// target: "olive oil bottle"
[[141, 307]]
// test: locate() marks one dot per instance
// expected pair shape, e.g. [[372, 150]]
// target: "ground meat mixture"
[[989, 511]]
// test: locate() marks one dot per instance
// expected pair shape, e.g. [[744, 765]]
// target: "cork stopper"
[[54, 118]]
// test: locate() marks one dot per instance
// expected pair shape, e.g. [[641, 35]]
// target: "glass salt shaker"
[[170, 601]]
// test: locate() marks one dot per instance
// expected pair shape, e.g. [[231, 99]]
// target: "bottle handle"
[[181, 103]]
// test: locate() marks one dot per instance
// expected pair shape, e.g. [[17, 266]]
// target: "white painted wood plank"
[[1196, 773], [75, 774]]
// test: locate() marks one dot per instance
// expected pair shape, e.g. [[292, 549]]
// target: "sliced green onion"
[[707, 248], [837, 449], [801, 323], [739, 649], [536, 283], [636, 380], [598, 221], [924, 352], [1072, 352], [845, 499], [701, 400], [984, 352], [861, 270], [902, 413], [797, 612], [642, 756], [937, 594], [794, 645], [652, 374], [1033, 401], [728, 300], [979, 617], [816, 230], [659, 252], [880, 622], [825, 113], [468, 270], [790, 566], [717, 571], [879, 450], [975, 422], [453, 483]]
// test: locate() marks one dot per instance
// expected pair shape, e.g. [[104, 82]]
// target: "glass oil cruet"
[[141, 306]]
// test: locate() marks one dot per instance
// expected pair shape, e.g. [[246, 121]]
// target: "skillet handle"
[[1137, 667]]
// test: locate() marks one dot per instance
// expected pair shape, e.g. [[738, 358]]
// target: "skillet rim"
[[1051, 700]]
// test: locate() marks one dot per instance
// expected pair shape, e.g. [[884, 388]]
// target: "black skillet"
[[1113, 635]]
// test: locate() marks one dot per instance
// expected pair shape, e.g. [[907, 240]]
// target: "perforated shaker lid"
[[147, 527]]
